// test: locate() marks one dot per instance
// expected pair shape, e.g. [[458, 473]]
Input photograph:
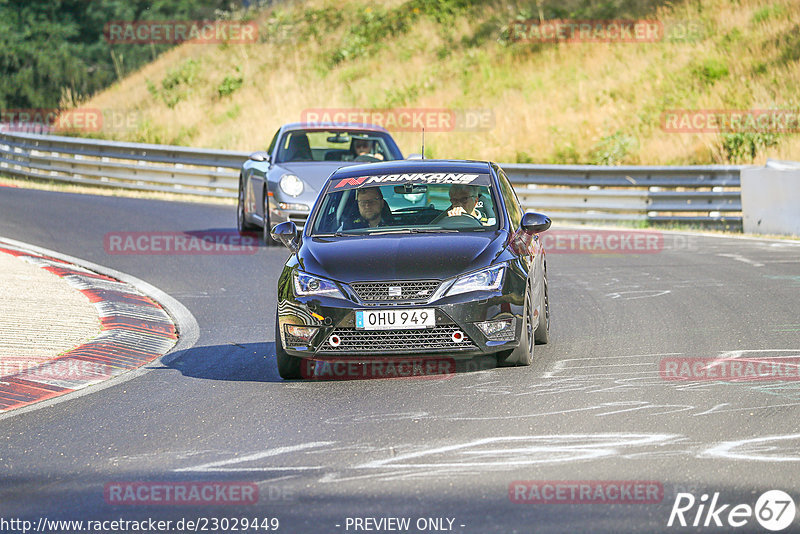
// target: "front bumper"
[[455, 333], [280, 212]]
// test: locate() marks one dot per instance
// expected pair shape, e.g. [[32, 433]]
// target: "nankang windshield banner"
[[446, 178]]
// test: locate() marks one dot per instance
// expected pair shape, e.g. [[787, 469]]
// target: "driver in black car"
[[463, 200]]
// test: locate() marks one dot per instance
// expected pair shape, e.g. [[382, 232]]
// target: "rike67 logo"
[[774, 510]]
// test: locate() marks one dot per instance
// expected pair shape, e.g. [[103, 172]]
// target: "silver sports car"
[[282, 183]]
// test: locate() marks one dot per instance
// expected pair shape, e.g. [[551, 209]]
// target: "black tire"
[[288, 366], [265, 231], [242, 226], [523, 354], [542, 335]]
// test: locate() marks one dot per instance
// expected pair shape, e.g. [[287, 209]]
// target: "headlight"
[[306, 285], [486, 280], [291, 185]]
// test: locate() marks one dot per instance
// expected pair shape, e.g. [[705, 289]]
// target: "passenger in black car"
[[373, 211]]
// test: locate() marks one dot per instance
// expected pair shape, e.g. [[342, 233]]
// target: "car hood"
[[400, 256]]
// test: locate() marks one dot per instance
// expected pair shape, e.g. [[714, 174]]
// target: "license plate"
[[395, 319]]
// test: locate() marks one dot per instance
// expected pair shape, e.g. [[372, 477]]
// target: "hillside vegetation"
[[53, 53], [599, 103]]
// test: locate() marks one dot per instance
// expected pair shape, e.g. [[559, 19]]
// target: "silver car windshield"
[[335, 145]]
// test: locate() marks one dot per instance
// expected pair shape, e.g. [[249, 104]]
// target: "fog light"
[[294, 207], [502, 329], [458, 336], [300, 334], [334, 341]]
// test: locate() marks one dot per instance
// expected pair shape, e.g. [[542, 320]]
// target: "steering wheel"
[[463, 220]]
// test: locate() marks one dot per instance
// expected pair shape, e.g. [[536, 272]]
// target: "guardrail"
[[708, 195], [705, 195], [138, 166]]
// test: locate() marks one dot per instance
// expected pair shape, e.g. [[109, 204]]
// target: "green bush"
[[790, 44], [612, 149], [767, 12], [710, 70], [742, 147], [177, 84], [229, 85]]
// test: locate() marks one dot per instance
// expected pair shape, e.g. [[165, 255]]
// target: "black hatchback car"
[[418, 259]]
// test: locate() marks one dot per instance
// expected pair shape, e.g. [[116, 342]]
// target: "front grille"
[[414, 290], [436, 339]]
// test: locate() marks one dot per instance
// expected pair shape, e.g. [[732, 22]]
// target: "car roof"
[[333, 126], [416, 165]]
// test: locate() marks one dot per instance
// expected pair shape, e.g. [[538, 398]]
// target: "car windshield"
[[336, 145], [403, 204]]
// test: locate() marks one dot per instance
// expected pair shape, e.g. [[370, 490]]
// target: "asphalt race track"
[[593, 407]]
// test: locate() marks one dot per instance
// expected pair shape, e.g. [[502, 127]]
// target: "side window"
[[273, 142], [510, 200]]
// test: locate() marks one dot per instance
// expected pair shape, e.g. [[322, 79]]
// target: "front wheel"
[[242, 226], [542, 335], [266, 229], [523, 354], [288, 365]]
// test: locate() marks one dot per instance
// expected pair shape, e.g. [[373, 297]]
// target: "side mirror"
[[414, 156], [534, 223], [260, 156], [288, 234]]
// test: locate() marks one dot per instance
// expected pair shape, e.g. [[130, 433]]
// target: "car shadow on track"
[[255, 362], [238, 362]]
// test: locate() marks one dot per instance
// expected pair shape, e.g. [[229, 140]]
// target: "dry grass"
[[551, 103]]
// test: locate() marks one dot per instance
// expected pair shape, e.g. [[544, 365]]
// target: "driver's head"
[[370, 203], [465, 196], [362, 146]]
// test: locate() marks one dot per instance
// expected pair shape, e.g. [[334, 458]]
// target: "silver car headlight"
[[307, 285], [291, 185], [489, 279]]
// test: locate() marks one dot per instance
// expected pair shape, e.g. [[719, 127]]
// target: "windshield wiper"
[[395, 231], [414, 231], [336, 234]]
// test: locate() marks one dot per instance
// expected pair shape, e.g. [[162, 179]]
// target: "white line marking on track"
[[221, 465], [739, 257], [758, 449]]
